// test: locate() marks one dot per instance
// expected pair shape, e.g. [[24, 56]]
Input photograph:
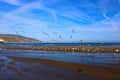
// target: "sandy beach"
[[59, 39], [16, 68], [85, 49], [98, 72], [28, 68]]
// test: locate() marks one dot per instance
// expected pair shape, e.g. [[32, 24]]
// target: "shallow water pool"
[[107, 59]]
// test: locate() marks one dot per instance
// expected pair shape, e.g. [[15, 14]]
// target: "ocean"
[[58, 44], [103, 59]]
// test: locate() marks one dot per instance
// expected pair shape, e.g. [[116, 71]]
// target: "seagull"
[[44, 33], [54, 32], [60, 37], [73, 31], [17, 33], [119, 29], [71, 36], [116, 50], [82, 40]]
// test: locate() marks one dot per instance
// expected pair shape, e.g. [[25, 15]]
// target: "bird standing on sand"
[[116, 50]]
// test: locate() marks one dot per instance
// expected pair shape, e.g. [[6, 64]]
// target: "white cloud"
[[66, 11], [31, 6], [103, 5], [105, 25], [13, 2], [91, 28], [48, 2], [10, 21], [74, 13], [118, 14]]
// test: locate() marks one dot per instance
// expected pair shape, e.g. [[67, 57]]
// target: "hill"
[[16, 38]]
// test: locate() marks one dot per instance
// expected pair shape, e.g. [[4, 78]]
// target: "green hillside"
[[16, 38]]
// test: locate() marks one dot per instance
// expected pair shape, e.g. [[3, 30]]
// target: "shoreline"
[[101, 72], [85, 49]]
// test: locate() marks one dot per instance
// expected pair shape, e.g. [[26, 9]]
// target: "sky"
[[62, 20]]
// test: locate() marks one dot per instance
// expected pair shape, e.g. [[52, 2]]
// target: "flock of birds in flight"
[[71, 36], [55, 33], [73, 32], [60, 37]]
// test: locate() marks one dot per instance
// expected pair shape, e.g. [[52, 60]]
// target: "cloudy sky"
[[62, 20]]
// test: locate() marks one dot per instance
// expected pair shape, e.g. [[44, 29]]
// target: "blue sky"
[[54, 20]]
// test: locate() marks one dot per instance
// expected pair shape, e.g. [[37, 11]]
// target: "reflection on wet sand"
[[77, 71], [20, 70], [104, 59], [49, 65]]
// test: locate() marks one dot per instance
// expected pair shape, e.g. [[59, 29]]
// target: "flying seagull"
[[60, 37], [118, 29], [71, 36], [44, 33], [54, 32], [73, 31]]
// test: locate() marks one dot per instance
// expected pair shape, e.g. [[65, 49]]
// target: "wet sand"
[[85, 49], [97, 72], [16, 68], [19, 68]]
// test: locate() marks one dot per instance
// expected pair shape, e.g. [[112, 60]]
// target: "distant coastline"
[[12, 38]]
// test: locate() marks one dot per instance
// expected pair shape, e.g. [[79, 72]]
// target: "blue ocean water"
[[104, 59], [58, 44]]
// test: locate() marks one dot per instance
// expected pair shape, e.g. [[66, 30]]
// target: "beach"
[[96, 72], [60, 63], [85, 49], [16, 68], [60, 40]]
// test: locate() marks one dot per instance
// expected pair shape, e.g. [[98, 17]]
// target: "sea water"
[[58, 44], [103, 59]]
